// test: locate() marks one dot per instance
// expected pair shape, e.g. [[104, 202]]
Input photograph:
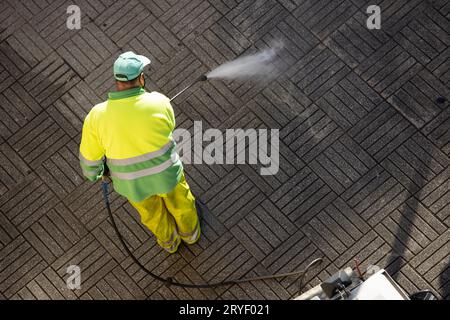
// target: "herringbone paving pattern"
[[364, 146]]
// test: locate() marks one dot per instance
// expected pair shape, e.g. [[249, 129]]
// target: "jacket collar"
[[115, 95]]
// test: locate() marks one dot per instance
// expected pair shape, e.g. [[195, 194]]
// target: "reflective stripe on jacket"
[[133, 131]]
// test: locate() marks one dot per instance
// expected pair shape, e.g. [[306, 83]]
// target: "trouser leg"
[[181, 205], [154, 216]]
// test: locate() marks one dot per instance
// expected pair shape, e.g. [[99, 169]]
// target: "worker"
[[132, 132]]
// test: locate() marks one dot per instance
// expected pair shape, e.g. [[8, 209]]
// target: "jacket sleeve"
[[170, 114], [91, 152]]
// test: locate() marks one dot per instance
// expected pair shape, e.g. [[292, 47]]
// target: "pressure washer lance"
[[171, 281], [199, 79]]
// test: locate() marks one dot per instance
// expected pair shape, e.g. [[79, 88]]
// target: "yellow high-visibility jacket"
[[133, 130]]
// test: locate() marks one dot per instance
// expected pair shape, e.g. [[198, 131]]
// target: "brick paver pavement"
[[364, 146]]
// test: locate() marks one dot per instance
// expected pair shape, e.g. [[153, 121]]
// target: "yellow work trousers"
[[171, 217]]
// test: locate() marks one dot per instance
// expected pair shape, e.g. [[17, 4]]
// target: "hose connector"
[[169, 282]]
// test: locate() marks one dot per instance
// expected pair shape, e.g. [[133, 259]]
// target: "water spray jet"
[[253, 66]]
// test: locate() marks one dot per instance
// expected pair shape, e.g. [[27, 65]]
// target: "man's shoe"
[[174, 247], [193, 238]]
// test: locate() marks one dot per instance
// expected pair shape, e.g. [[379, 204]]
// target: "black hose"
[[172, 282]]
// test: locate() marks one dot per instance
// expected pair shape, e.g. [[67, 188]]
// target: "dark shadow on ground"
[[444, 281], [400, 246]]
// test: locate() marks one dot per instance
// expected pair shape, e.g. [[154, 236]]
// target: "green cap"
[[129, 66]]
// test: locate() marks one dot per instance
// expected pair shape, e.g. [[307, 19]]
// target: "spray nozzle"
[[202, 78]]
